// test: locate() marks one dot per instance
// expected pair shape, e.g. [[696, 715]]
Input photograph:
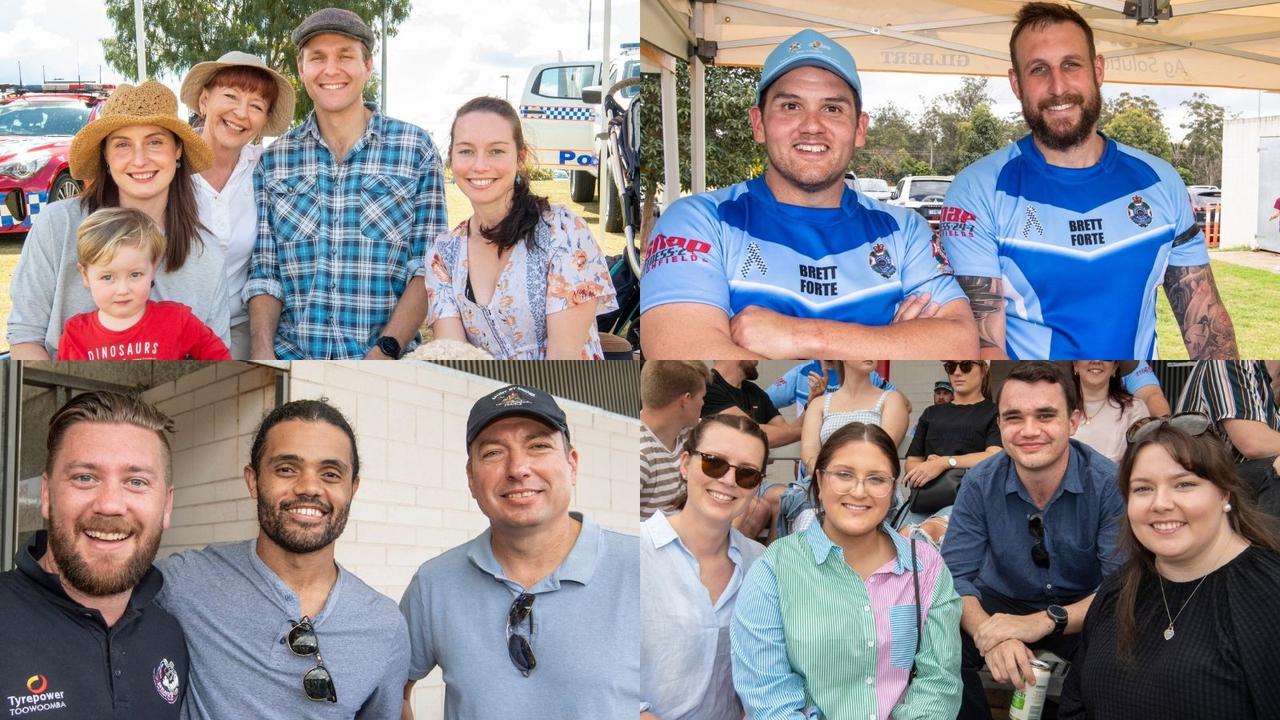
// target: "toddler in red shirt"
[[118, 249]]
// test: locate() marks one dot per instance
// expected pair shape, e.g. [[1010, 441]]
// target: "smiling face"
[[809, 125], [852, 508], [1174, 513], [232, 117], [106, 501], [484, 157], [120, 286], [720, 500], [1035, 426], [304, 485], [1095, 375], [142, 160], [334, 70], [1057, 82], [521, 474]]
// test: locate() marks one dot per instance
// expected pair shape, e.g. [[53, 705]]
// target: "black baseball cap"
[[943, 385], [515, 400]]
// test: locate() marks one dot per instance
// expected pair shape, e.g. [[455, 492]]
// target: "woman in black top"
[[1187, 628]]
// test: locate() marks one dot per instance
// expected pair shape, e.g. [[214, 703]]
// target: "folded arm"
[[1206, 326], [689, 331], [986, 300]]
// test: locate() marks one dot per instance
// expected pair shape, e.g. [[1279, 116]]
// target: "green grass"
[[458, 209], [1250, 295]]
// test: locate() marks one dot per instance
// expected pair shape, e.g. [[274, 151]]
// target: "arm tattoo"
[[1206, 326], [987, 302]]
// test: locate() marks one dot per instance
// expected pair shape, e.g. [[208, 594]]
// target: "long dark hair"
[[527, 209], [182, 224], [1207, 457], [851, 433], [741, 423], [1117, 393]]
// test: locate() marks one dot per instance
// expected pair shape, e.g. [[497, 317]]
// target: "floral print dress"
[[566, 268]]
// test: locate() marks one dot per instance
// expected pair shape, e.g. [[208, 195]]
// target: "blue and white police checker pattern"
[[35, 202], [560, 112]]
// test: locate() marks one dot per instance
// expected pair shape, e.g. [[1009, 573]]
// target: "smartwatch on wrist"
[[390, 347], [1058, 615]]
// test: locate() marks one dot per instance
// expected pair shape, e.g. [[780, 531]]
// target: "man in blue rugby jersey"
[[1061, 238], [794, 264]]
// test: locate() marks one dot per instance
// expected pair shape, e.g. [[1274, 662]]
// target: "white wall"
[[1240, 142], [413, 501]]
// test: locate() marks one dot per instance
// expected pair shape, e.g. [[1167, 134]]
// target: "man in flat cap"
[[347, 203], [796, 264], [538, 616]]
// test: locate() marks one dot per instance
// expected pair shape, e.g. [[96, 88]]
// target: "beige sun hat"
[[147, 104], [281, 110]]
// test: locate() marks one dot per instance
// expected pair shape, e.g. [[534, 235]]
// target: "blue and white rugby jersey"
[[1081, 251], [739, 246]]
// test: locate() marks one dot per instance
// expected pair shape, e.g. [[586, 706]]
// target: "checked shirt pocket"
[[386, 210], [296, 222], [902, 632]]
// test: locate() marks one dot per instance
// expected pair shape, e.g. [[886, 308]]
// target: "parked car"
[[35, 135], [924, 194], [1206, 201], [875, 188]]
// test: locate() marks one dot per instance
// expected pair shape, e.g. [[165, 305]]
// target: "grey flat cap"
[[333, 20]]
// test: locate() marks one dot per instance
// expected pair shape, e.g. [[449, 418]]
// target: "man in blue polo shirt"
[[1061, 238], [795, 264], [1033, 533], [538, 616]]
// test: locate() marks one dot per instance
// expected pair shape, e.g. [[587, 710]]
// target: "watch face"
[[1057, 612]]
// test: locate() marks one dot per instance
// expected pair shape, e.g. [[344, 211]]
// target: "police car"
[[562, 127]]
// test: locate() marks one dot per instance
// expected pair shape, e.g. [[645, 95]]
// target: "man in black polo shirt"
[[79, 634], [732, 391]]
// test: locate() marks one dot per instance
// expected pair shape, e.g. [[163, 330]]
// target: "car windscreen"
[[921, 189], [42, 119], [873, 185]]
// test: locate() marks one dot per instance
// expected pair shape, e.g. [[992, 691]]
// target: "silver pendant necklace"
[[1168, 632]]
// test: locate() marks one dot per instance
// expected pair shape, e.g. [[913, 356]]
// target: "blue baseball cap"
[[809, 48]]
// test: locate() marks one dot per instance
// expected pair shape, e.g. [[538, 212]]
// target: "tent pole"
[[670, 140]]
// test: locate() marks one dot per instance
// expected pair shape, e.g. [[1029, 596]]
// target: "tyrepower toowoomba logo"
[[39, 698], [665, 250], [956, 222]]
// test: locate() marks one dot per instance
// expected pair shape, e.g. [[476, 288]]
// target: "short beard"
[[271, 520], [94, 580], [1090, 109]]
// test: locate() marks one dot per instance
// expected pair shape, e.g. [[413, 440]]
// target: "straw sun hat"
[[147, 104], [281, 110]]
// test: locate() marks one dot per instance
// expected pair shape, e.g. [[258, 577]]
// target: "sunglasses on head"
[[1192, 423], [1039, 555], [317, 683], [714, 466], [965, 366], [518, 647]]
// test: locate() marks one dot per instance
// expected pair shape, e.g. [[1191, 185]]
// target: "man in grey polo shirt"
[[276, 628], [538, 616]]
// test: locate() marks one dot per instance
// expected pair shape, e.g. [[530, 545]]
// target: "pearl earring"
[[1226, 508]]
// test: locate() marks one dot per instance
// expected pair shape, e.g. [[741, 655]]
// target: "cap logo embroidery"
[[511, 398]]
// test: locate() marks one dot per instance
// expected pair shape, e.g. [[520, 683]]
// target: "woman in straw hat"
[[239, 100], [136, 154]]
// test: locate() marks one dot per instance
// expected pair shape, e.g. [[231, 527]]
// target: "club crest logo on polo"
[[1140, 212], [166, 680], [511, 397], [880, 260], [39, 698]]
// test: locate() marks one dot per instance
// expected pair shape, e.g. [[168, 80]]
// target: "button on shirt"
[[59, 660], [338, 240], [231, 217], [988, 542], [586, 620], [684, 638], [812, 639]]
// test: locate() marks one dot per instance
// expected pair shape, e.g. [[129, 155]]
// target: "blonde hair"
[[108, 229], [662, 382]]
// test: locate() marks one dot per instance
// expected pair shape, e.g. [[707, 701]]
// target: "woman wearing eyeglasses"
[[827, 621], [1109, 408], [1187, 627], [949, 439], [691, 566]]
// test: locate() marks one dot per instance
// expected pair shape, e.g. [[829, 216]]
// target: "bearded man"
[[1060, 238], [277, 628], [82, 635]]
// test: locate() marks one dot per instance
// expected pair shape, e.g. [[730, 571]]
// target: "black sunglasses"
[[715, 467], [317, 683], [518, 647], [965, 366], [1192, 423], [1039, 556]]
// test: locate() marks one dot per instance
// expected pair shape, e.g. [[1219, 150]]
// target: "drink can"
[[1028, 702]]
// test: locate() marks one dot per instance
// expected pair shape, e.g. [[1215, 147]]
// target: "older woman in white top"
[[691, 566], [240, 100]]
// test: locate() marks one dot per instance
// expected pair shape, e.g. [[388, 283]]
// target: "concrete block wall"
[[413, 501]]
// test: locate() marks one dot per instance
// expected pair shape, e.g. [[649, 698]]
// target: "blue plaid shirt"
[[338, 241]]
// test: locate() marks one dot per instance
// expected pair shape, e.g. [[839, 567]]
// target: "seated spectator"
[[1032, 534], [692, 565], [1109, 408], [856, 400], [943, 393], [1143, 384], [794, 385], [847, 619], [950, 438], [1238, 398], [1178, 631], [671, 393]]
